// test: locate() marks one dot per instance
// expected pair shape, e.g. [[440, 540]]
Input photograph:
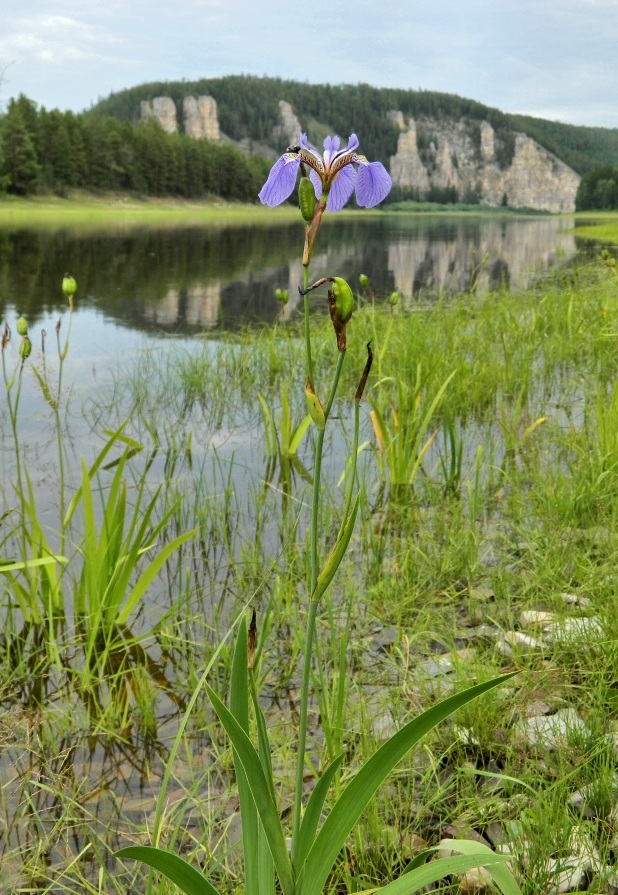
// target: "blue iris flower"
[[337, 173]]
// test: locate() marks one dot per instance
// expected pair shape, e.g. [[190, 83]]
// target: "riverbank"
[[113, 210], [81, 209]]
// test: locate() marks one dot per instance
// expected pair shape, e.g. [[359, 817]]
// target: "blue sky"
[[551, 58]]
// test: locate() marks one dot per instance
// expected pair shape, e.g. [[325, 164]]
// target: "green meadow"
[[486, 542]]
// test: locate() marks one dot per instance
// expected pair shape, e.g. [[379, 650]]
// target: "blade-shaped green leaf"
[[260, 790], [338, 552], [501, 875], [32, 563], [186, 877], [429, 873], [239, 707], [299, 434], [362, 787], [266, 867], [114, 437], [149, 574], [313, 811]]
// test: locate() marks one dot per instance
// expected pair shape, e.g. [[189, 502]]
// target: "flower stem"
[[307, 322], [313, 609]]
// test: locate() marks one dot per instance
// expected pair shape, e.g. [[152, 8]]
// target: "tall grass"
[[508, 514]]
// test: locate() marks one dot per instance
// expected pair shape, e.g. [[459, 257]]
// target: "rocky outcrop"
[[468, 158], [163, 109], [200, 118], [287, 132]]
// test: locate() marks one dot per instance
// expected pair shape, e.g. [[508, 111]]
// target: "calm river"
[[140, 287]]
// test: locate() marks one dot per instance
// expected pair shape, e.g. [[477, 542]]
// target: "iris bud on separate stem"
[[25, 348], [314, 406], [340, 305], [69, 285], [22, 326]]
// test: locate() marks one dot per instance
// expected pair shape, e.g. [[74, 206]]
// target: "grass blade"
[[313, 811], [367, 781], [174, 868], [239, 707], [436, 870], [501, 875], [260, 790]]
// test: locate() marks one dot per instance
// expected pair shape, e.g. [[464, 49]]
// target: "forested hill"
[[248, 108]]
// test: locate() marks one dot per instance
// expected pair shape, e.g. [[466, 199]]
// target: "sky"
[[555, 59]]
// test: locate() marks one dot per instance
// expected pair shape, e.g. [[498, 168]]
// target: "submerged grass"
[[499, 554]]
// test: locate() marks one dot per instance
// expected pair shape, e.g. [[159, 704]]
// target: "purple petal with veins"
[[317, 183], [280, 182], [341, 189], [373, 184], [331, 147]]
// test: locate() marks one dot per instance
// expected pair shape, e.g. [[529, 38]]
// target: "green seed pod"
[[283, 295], [344, 299], [306, 199], [22, 326], [394, 298], [363, 279], [26, 347], [69, 286], [314, 406]]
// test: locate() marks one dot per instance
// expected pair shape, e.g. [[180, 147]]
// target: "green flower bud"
[[306, 199], [394, 298], [314, 406], [364, 280], [22, 326], [283, 295], [344, 299], [26, 347], [69, 286]]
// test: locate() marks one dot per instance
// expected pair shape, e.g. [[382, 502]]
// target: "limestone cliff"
[[471, 161], [287, 132], [163, 109], [200, 118]]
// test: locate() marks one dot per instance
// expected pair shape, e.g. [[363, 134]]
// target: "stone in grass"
[[478, 879], [516, 641], [532, 618], [568, 875], [599, 799], [574, 600], [574, 630], [551, 731], [383, 727], [445, 663]]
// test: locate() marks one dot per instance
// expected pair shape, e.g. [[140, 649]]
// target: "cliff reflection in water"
[[184, 280]]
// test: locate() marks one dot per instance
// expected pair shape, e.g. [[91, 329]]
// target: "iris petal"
[[373, 184], [316, 180], [280, 182], [352, 143], [331, 146], [311, 151], [341, 188]]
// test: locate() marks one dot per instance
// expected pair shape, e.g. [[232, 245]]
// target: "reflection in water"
[[184, 280]]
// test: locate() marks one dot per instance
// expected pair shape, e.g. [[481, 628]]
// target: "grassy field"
[[486, 541], [602, 226], [85, 210]]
